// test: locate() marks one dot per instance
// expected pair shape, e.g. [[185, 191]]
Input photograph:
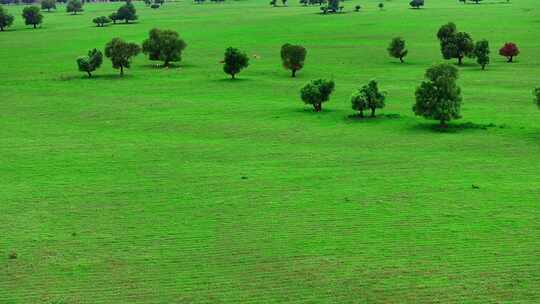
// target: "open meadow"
[[180, 185]]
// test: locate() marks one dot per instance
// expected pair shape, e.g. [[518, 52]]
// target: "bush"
[[13, 255], [317, 92]]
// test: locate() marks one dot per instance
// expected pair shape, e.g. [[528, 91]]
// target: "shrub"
[[164, 45], [13, 255], [439, 97], [509, 50], [91, 62], [235, 61], [317, 92], [293, 57]]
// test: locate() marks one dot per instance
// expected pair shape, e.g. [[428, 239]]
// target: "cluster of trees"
[[126, 13], [155, 4], [32, 14]]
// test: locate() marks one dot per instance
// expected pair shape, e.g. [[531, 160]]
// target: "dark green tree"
[[381, 5], [235, 60], [293, 57], [439, 97], [536, 94], [114, 17], [32, 16], [317, 92], [368, 97], [120, 53], [481, 52], [74, 6], [164, 45], [397, 49], [6, 20], [101, 21], [416, 3], [455, 44], [91, 62], [127, 12], [48, 5]]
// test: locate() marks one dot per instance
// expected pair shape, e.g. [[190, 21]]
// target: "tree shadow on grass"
[[232, 80], [311, 111], [355, 118], [94, 77], [172, 66], [455, 127]]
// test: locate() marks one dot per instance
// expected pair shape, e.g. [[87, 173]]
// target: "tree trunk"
[[511, 59], [443, 124], [401, 59], [362, 113], [483, 67], [121, 71], [293, 73], [1, 28], [233, 76], [460, 60], [89, 74], [127, 21], [35, 25], [372, 112]]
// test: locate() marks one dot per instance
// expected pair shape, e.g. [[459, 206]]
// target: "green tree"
[[127, 12], [114, 17], [481, 52], [397, 49], [368, 97], [48, 5], [164, 45], [317, 92], [416, 3], [91, 62], [101, 21], [6, 20], [235, 60], [536, 94], [455, 44], [120, 53], [293, 57], [439, 97], [32, 16], [74, 7]]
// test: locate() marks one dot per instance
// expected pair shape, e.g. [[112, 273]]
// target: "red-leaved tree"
[[509, 50]]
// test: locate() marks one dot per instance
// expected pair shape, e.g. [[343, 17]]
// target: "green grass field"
[[182, 186]]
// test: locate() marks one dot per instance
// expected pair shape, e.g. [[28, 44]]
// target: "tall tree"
[[91, 62], [293, 57], [455, 44], [509, 50], [439, 97], [32, 16], [481, 52], [6, 20], [235, 61], [164, 45], [368, 97], [48, 5], [120, 53], [127, 12], [317, 92], [74, 6], [397, 48]]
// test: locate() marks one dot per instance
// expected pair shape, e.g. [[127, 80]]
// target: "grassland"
[[181, 186]]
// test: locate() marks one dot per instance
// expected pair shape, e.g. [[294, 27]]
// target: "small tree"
[[455, 44], [91, 62], [368, 97], [101, 21], [397, 48], [357, 8], [120, 53], [509, 50], [6, 20], [48, 5], [127, 12], [164, 45], [235, 60], [317, 92], [32, 16], [293, 57], [74, 7], [481, 52], [439, 98], [381, 5], [536, 94], [416, 3]]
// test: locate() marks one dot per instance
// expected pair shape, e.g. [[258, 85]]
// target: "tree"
[[455, 44], [101, 21], [439, 97], [317, 92], [481, 52], [91, 62], [235, 60], [368, 97], [127, 12], [416, 3], [120, 53], [74, 7], [32, 16], [536, 94], [293, 57], [48, 5], [114, 17], [397, 48], [381, 6], [164, 45], [509, 50], [6, 20]]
